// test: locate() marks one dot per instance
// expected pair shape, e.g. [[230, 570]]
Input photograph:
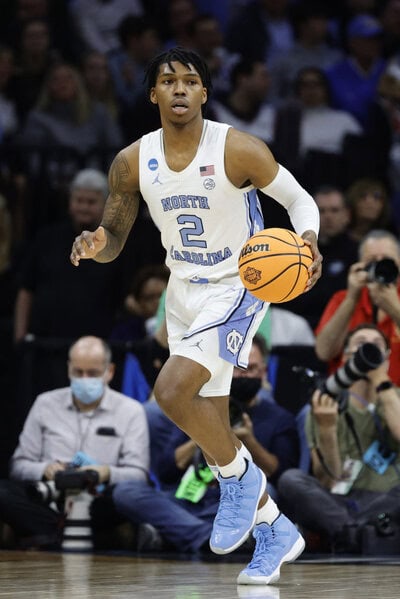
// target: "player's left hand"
[[315, 269]]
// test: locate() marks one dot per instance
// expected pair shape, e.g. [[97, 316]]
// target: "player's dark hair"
[[185, 57]]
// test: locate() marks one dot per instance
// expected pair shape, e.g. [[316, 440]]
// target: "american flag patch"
[[207, 171]]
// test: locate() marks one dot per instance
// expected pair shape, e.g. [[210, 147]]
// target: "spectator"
[[245, 106], [53, 299], [354, 80], [364, 300], [343, 12], [16, 14], [311, 49], [141, 304], [369, 208], [261, 30], [268, 430], [179, 15], [35, 55], [310, 124], [97, 21], [8, 112], [138, 43], [7, 274], [338, 249], [207, 40], [64, 116], [390, 19], [99, 84], [385, 124], [354, 468], [7, 301], [88, 417]]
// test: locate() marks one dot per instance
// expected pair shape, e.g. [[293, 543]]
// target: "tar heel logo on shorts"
[[153, 164], [234, 341]]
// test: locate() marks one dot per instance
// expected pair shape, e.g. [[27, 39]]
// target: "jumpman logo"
[[157, 179], [197, 344]]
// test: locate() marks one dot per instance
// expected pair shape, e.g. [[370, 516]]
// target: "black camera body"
[[76, 479], [71, 479], [383, 271]]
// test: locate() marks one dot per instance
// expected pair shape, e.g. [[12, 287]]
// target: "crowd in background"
[[318, 82]]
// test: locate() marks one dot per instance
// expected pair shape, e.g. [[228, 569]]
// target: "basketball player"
[[199, 179]]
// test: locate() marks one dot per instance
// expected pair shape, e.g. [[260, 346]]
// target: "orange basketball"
[[273, 265]]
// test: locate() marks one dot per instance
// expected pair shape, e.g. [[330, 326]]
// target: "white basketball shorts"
[[213, 324]]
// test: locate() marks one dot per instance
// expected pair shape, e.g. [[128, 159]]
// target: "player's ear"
[[153, 96], [204, 98]]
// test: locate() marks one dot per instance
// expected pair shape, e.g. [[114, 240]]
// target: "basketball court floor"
[[39, 575]]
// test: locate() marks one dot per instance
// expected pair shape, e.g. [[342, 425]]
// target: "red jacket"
[[363, 312]]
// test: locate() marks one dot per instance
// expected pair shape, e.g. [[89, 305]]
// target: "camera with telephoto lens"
[[52, 490], [367, 357], [79, 488], [383, 271], [76, 479]]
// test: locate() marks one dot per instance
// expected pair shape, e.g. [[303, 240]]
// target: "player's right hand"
[[88, 244]]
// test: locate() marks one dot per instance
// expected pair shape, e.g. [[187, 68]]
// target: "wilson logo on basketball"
[[274, 265], [252, 275], [252, 249]]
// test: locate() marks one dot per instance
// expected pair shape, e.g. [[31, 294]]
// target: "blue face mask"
[[87, 389]]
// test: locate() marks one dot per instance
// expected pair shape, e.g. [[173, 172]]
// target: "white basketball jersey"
[[204, 220]]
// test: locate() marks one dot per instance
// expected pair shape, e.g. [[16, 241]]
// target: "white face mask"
[[87, 389]]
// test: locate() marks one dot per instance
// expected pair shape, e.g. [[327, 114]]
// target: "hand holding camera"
[[386, 298], [77, 479], [52, 469], [357, 278], [244, 428], [325, 409], [382, 276], [379, 275]]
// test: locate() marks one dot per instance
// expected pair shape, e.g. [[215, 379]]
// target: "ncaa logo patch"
[[153, 164], [209, 183]]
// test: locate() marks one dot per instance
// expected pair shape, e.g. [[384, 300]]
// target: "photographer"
[[372, 295], [100, 433], [355, 452]]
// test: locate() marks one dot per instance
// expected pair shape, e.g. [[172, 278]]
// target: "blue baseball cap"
[[364, 26]]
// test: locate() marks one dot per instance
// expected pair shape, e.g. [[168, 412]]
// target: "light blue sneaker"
[[237, 509], [275, 545]]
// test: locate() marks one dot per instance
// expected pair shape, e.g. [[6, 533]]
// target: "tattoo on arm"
[[121, 208]]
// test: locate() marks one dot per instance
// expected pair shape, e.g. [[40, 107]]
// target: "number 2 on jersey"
[[195, 230]]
